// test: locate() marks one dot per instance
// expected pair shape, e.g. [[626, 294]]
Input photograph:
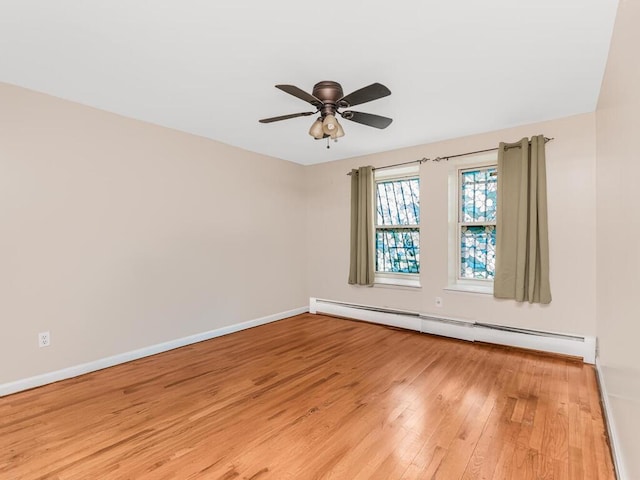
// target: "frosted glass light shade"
[[316, 130], [330, 124], [338, 132]]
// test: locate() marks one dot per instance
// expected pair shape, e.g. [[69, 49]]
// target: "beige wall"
[[117, 235], [571, 193], [618, 166], [618, 230]]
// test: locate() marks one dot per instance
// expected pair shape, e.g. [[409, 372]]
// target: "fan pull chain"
[[335, 140]]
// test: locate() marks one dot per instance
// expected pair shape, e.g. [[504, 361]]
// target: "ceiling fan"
[[328, 99]]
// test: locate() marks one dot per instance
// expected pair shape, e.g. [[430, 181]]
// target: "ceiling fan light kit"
[[330, 124], [328, 99], [338, 133], [316, 130]]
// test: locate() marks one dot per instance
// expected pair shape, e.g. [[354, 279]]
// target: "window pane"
[[478, 252], [398, 251], [478, 195], [398, 202]]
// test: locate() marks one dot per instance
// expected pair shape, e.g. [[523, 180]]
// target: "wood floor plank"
[[314, 397]]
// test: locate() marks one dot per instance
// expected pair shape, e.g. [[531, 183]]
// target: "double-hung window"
[[477, 198], [397, 224], [473, 197]]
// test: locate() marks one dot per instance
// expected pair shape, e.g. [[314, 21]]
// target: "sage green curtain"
[[522, 245], [361, 268]]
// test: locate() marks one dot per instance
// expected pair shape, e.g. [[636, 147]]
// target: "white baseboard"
[[552, 342], [614, 439], [76, 370]]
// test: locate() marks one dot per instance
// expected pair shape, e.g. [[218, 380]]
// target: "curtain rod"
[[439, 159]]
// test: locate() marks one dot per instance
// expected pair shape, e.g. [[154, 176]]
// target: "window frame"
[[456, 282], [461, 224], [396, 278]]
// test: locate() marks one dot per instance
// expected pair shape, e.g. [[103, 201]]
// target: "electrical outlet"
[[44, 339], [438, 301]]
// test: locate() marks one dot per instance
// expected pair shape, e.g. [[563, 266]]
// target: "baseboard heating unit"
[[552, 342]]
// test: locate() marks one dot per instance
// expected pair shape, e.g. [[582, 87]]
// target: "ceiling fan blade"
[[301, 94], [285, 117], [367, 119], [364, 95]]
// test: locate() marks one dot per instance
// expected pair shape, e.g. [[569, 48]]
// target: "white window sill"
[[481, 289], [398, 280]]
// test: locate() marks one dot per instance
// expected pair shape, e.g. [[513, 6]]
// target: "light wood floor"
[[314, 397]]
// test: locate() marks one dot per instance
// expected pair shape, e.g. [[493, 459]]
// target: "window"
[[397, 227], [477, 197], [473, 196]]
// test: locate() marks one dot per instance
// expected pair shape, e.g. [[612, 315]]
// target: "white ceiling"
[[208, 67]]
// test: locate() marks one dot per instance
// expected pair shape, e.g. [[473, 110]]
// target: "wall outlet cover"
[[44, 339]]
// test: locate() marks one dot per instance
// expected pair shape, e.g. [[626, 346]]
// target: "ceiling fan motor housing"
[[329, 93]]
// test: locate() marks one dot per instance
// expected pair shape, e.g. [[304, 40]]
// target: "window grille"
[[477, 223], [397, 225]]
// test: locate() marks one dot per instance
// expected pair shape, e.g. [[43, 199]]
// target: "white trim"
[[545, 341], [609, 420], [456, 166], [76, 370], [396, 173], [411, 280], [470, 288]]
